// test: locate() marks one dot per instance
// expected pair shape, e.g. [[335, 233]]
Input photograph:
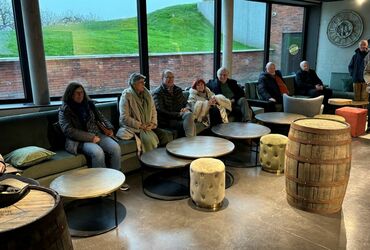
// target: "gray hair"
[[220, 70], [363, 41], [134, 77], [269, 64], [165, 72], [302, 63]]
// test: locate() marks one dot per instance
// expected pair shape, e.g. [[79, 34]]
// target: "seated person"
[[207, 107], [271, 86], [172, 106], [138, 116], [2, 165], [308, 83], [87, 131], [231, 90]]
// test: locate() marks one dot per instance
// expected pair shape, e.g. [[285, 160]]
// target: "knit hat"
[[134, 77]]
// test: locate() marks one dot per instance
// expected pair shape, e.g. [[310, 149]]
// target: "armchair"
[[304, 106]]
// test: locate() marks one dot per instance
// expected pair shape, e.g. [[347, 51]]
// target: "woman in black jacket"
[[86, 130]]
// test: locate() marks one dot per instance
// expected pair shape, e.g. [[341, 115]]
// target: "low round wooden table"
[[278, 122], [202, 147], [87, 216], [171, 182], [347, 102], [243, 131]]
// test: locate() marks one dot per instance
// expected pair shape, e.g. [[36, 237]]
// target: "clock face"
[[345, 28]]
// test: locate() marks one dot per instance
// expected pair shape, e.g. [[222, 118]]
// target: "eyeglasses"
[[169, 77]]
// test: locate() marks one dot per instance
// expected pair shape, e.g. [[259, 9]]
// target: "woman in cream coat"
[[138, 116], [208, 108]]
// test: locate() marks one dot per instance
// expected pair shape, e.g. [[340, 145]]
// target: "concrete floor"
[[257, 217]]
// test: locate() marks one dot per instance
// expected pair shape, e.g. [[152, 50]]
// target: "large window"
[[11, 83], [286, 37], [94, 42], [249, 40], [180, 37]]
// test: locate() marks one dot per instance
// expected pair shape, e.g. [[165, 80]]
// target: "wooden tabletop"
[[346, 102], [240, 130], [35, 205], [200, 147], [278, 117], [88, 183], [160, 158]]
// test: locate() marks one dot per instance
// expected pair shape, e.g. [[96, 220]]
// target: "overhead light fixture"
[[360, 2]]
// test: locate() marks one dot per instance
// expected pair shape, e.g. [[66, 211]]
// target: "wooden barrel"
[[317, 164], [35, 222]]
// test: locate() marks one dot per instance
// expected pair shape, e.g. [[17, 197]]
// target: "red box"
[[356, 117]]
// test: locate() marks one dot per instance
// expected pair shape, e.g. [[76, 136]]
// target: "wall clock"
[[345, 28]]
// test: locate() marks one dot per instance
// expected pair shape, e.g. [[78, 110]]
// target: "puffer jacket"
[[74, 131], [168, 106]]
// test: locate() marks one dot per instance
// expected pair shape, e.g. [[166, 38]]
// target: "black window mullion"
[[217, 37], [267, 34], [143, 40]]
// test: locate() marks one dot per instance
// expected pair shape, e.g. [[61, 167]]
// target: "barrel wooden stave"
[[317, 168]]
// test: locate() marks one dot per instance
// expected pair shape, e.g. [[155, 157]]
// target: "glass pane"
[[249, 40], [286, 37], [11, 83], [180, 36], [94, 42]]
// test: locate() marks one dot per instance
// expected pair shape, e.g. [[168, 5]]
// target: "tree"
[[6, 16]]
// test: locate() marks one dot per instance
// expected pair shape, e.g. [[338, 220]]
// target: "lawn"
[[178, 28]]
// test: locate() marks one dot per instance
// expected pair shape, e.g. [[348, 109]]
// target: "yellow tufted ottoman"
[[272, 152], [207, 183]]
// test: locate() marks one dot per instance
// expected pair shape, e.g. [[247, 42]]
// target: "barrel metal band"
[[317, 161], [320, 131], [317, 184], [300, 198], [318, 142]]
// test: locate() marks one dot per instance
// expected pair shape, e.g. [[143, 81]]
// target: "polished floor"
[[257, 217]]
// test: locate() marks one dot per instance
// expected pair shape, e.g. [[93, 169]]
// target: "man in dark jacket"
[[271, 86], [172, 107], [308, 83], [356, 69], [231, 90]]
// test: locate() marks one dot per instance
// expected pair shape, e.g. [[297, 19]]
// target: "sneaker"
[[124, 187]]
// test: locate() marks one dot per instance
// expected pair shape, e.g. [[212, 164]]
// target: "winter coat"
[[76, 132], [169, 106], [357, 65], [306, 80], [267, 87]]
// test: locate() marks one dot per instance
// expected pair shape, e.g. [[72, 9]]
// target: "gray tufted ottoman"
[[207, 183]]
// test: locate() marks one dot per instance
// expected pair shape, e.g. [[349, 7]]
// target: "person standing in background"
[[356, 69]]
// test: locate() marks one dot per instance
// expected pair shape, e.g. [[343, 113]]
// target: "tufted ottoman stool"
[[272, 152], [207, 183]]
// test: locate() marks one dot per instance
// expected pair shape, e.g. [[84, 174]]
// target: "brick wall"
[[110, 74]]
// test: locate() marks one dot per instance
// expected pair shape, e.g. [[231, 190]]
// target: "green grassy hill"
[[178, 28]]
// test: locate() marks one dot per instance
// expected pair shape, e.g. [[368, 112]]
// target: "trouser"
[[184, 126], [241, 110], [328, 93], [359, 90], [96, 152]]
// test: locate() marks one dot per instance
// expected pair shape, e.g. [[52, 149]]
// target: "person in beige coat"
[[208, 108], [138, 116]]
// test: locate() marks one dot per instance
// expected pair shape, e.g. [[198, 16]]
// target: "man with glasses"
[[172, 107]]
